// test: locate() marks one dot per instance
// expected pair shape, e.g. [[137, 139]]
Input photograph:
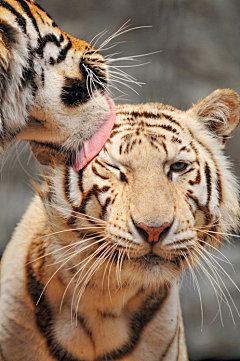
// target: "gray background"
[[200, 42]]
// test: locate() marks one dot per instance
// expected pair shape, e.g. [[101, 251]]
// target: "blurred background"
[[199, 43]]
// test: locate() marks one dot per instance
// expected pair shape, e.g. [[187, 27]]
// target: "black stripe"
[[20, 19], [49, 38], [144, 125], [219, 188], [62, 54], [66, 185], [197, 180], [204, 209], [25, 7], [104, 208], [208, 174], [43, 77], [176, 140], [94, 169], [117, 131], [39, 7], [169, 128], [29, 74], [138, 323], [103, 164], [143, 114], [154, 136], [44, 316], [165, 147], [169, 117], [192, 145], [120, 149], [208, 180], [80, 180], [94, 191], [133, 144], [196, 200], [148, 115]]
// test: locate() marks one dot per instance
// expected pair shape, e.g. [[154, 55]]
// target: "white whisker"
[[85, 260], [197, 285], [215, 271]]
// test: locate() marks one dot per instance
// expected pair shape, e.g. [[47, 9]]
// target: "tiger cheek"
[[182, 210], [199, 218]]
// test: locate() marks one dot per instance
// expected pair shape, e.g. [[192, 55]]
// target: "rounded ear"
[[8, 39], [220, 112]]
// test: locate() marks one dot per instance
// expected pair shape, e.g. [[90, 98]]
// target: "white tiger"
[[92, 270]]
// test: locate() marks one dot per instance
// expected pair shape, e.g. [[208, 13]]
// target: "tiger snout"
[[153, 235]]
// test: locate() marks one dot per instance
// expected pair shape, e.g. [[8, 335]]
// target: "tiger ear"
[[8, 39], [220, 112]]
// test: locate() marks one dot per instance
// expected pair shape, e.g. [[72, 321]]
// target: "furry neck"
[[117, 323]]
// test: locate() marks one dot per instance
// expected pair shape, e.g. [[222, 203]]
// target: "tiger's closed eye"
[[123, 177], [112, 166]]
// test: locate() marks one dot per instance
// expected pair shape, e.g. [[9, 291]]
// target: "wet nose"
[[153, 233]]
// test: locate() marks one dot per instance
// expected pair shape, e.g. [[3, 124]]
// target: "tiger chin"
[[92, 270], [53, 86]]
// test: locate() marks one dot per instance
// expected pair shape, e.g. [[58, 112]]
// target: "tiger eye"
[[178, 166]]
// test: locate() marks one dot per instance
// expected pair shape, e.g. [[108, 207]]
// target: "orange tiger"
[[52, 86]]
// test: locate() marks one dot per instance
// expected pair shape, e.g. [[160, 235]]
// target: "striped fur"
[[88, 274], [52, 85]]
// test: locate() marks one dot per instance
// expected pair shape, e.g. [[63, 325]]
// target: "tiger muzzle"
[[153, 234]]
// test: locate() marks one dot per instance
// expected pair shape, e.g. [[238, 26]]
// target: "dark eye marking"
[[74, 92], [123, 177], [112, 166]]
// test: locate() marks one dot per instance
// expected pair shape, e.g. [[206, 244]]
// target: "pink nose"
[[153, 232]]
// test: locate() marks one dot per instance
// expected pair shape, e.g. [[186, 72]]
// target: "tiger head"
[[156, 198], [53, 86]]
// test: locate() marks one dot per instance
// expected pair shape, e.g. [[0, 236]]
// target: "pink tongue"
[[94, 145]]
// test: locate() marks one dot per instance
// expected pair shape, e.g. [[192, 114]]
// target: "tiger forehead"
[[140, 133], [41, 19], [150, 115], [152, 124]]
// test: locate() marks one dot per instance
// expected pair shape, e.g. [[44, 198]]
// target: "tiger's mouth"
[[92, 146], [49, 153], [152, 259]]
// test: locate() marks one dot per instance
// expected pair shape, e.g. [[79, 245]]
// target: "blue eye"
[[178, 167]]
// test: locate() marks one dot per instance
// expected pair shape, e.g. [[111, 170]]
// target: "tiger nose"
[[153, 233]]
